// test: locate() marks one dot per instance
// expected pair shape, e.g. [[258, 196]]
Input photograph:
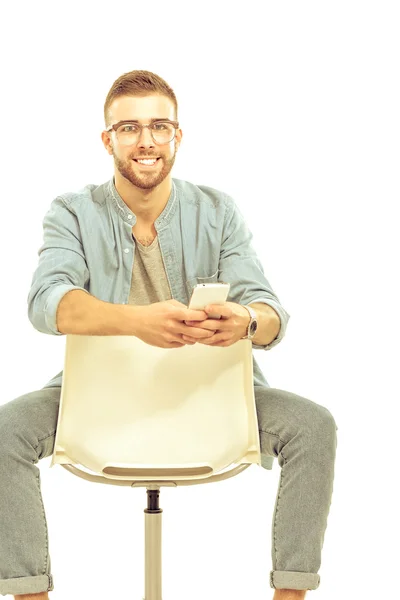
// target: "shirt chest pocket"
[[201, 278]]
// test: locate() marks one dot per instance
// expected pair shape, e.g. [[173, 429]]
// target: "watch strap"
[[253, 317]]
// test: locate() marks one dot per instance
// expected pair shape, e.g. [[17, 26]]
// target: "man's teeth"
[[147, 162]]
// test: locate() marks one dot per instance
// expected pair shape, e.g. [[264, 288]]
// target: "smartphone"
[[209, 293]]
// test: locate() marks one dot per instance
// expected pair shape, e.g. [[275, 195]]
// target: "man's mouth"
[[147, 162]]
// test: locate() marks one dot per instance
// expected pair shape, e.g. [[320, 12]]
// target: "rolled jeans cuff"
[[36, 584], [294, 580]]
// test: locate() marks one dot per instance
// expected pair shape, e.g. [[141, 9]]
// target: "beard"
[[141, 179]]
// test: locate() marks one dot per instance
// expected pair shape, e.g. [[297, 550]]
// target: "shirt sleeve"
[[240, 266], [62, 266]]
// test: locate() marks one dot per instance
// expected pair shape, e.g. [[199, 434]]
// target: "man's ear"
[[109, 145], [179, 137]]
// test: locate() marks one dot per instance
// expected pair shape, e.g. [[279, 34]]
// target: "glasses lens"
[[163, 132], [128, 134]]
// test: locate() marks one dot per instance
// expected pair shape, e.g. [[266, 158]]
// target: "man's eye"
[[128, 128], [159, 126]]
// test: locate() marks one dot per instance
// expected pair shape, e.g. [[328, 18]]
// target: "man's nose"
[[145, 138]]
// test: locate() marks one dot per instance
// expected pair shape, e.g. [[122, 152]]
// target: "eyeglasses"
[[128, 132]]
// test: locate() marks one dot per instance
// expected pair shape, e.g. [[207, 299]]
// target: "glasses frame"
[[115, 126]]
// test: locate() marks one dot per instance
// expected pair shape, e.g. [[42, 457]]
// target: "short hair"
[[138, 83]]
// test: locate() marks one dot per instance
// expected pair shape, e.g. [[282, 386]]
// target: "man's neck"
[[147, 205]]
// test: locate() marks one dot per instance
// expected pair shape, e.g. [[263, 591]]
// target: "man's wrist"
[[246, 321], [269, 324]]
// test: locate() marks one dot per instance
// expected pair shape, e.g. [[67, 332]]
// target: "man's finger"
[[221, 310], [205, 324]]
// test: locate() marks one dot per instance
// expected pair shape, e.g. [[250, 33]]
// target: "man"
[[122, 259]]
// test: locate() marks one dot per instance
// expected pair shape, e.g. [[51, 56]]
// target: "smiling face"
[[144, 110]]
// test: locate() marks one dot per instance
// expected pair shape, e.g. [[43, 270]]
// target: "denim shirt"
[[88, 245]]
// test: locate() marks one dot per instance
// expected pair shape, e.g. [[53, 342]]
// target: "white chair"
[[141, 416]]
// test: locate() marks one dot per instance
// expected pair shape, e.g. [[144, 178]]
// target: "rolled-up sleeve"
[[62, 266], [240, 266]]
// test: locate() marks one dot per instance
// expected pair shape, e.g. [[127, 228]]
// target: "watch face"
[[253, 327]]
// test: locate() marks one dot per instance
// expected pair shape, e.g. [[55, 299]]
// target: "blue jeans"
[[299, 432]]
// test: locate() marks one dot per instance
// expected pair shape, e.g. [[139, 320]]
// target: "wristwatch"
[[252, 327]]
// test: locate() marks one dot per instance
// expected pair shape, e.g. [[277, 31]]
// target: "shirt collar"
[[122, 209]]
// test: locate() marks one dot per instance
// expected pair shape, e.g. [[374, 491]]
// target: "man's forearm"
[[269, 324], [82, 314]]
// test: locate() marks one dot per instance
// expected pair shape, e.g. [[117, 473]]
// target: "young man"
[[122, 258]]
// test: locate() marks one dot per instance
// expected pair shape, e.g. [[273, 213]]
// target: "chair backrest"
[[131, 411]]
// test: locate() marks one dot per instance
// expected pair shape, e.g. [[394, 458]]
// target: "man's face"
[[142, 109]]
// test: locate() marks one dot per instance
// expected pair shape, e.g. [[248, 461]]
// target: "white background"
[[293, 109]]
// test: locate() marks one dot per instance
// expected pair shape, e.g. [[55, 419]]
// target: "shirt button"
[[126, 250]]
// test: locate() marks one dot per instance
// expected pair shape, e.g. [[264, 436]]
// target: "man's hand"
[[162, 324], [231, 327]]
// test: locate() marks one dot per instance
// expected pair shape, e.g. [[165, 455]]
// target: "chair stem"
[[152, 547]]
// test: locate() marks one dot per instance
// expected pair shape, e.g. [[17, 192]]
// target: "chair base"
[[153, 518]]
